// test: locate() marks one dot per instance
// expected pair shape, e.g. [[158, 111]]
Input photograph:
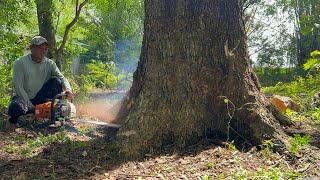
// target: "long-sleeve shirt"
[[29, 77]]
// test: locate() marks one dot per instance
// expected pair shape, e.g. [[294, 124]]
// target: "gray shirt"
[[29, 77]]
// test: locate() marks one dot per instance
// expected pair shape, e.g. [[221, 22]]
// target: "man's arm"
[[65, 83], [56, 72], [18, 79]]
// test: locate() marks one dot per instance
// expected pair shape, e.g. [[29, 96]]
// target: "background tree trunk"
[[46, 28], [306, 41], [194, 55]]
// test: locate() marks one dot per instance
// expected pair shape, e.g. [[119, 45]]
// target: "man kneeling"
[[36, 79]]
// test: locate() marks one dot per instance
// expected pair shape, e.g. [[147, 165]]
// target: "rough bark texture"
[[194, 54], [46, 29]]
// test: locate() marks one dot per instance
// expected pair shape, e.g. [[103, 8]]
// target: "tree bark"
[[194, 57], [46, 29]]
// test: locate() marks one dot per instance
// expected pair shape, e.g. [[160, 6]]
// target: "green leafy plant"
[[272, 174], [314, 114], [302, 85], [297, 142], [84, 130], [240, 174], [231, 146], [221, 176], [101, 74], [206, 177], [11, 149], [210, 165], [167, 168], [79, 144], [33, 144], [315, 56], [267, 147]]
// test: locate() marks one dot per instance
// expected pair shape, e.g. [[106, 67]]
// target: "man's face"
[[39, 52]]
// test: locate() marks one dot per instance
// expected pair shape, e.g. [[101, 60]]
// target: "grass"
[[297, 142]]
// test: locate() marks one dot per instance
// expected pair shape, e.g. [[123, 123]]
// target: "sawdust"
[[103, 106], [96, 111]]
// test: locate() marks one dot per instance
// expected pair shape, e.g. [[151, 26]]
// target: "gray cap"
[[38, 40]]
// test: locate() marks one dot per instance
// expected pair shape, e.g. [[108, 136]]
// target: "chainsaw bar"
[[97, 122]]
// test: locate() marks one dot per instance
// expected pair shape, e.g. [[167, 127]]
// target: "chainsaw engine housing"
[[55, 109]]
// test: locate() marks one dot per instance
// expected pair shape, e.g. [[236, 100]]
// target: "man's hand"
[[69, 94]]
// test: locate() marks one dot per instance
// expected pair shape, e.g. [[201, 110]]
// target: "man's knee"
[[56, 81], [56, 84]]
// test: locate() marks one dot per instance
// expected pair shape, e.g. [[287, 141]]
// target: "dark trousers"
[[18, 106]]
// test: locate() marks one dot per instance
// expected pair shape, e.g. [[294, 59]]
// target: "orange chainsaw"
[[60, 108], [56, 108]]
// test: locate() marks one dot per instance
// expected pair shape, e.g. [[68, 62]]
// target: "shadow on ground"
[[70, 161], [64, 160]]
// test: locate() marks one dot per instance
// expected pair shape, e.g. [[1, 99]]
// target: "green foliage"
[[10, 49], [231, 146], [210, 166], [11, 149], [115, 34], [314, 114], [33, 144], [206, 177], [103, 75], [306, 30], [78, 144], [297, 142], [315, 56], [271, 76], [84, 129], [272, 174], [267, 145], [13, 12], [100, 74], [308, 86], [167, 168], [221, 176]]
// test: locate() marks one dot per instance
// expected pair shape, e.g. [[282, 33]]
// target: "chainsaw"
[[55, 109], [59, 108]]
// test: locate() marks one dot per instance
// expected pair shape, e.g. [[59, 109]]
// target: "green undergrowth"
[[265, 173], [301, 89], [28, 147]]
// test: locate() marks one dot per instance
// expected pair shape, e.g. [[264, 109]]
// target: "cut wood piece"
[[279, 104]]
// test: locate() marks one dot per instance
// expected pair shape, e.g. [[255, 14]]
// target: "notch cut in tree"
[[194, 53]]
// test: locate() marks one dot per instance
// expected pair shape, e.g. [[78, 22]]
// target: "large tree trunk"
[[46, 29], [194, 56]]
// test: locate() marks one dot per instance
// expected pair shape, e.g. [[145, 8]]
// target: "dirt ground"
[[84, 151], [80, 151]]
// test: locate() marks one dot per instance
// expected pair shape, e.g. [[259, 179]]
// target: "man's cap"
[[38, 40]]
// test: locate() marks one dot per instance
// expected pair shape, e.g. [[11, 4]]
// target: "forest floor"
[[80, 151]]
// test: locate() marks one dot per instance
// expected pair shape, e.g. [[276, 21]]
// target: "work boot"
[[26, 120], [56, 124]]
